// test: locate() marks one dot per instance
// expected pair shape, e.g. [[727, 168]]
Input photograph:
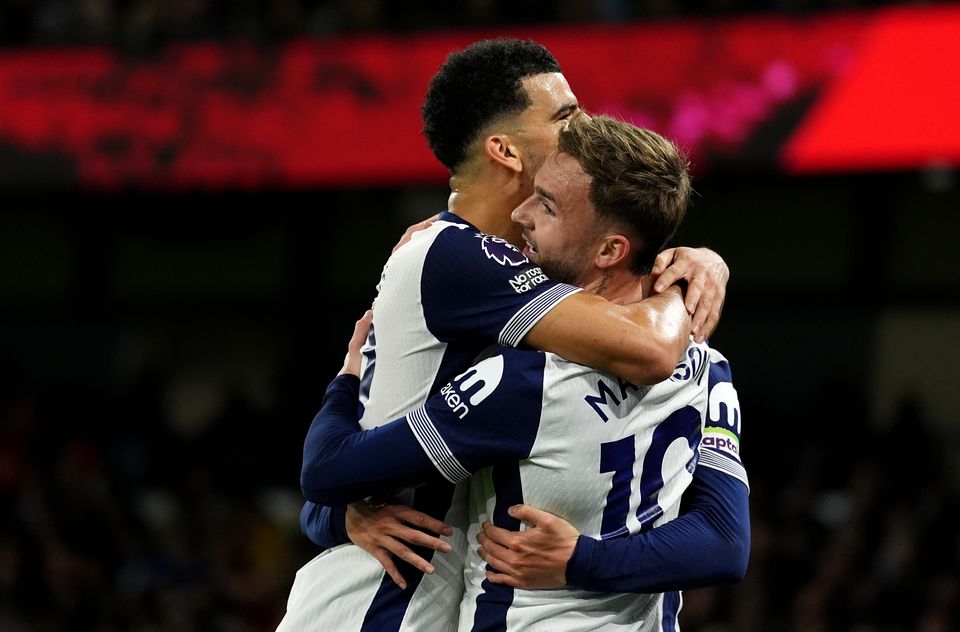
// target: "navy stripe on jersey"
[[369, 352], [495, 600], [518, 326], [682, 423], [390, 604], [671, 608], [435, 447], [720, 448], [724, 409], [716, 461]]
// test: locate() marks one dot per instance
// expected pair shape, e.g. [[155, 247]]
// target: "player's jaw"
[[560, 268]]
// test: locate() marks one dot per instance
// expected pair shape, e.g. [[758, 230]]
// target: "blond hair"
[[640, 180]]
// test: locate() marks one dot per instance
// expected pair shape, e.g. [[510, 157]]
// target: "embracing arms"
[[708, 544], [640, 342]]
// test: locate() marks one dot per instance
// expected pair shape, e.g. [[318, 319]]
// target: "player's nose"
[[521, 214]]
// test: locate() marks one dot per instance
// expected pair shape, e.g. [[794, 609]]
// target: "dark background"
[[162, 354]]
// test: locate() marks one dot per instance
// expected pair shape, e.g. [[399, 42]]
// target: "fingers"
[[529, 514], [387, 531], [706, 274], [701, 314], [662, 261], [419, 538], [691, 301], [352, 360], [386, 562], [711, 323], [422, 520], [497, 563], [670, 276], [497, 550], [392, 526], [360, 330], [695, 288], [710, 287], [408, 234], [404, 553], [503, 537], [506, 580]]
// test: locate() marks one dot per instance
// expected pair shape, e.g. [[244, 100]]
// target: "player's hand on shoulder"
[[385, 532], [534, 558], [706, 275], [416, 227], [351, 362]]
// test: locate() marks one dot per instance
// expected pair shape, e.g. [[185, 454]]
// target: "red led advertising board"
[[847, 91]]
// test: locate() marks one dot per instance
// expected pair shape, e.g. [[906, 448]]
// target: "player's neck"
[[618, 285], [486, 208]]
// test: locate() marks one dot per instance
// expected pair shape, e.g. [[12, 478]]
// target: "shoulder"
[[510, 371], [720, 370], [525, 364], [469, 246], [438, 235]]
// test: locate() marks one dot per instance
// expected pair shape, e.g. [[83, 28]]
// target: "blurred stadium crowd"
[[141, 24], [115, 517], [121, 523]]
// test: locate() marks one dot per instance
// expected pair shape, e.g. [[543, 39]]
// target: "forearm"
[[342, 464], [641, 342], [661, 334], [707, 545]]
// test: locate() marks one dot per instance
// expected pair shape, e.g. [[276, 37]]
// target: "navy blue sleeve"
[[487, 414], [720, 445], [324, 526], [491, 412], [342, 464], [480, 287], [706, 545]]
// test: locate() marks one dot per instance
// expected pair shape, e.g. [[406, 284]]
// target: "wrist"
[[578, 566], [338, 523], [375, 502]]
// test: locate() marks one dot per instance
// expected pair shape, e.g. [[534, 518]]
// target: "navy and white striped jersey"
[[611, 458], [443, 297], [709, 544]]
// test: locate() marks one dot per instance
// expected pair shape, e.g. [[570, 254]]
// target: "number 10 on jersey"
[[620, 458]]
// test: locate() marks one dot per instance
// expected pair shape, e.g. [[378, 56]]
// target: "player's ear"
[[614, 249], [500, 149]]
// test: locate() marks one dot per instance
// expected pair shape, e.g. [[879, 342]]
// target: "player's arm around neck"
[[641, 342]]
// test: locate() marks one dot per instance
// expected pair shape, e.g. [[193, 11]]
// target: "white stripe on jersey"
[[709, 458], [518, 326], [435, 447]]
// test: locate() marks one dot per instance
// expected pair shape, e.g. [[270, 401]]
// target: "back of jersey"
[[610, 458]]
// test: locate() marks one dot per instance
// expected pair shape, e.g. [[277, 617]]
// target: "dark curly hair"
[[473, 87]]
